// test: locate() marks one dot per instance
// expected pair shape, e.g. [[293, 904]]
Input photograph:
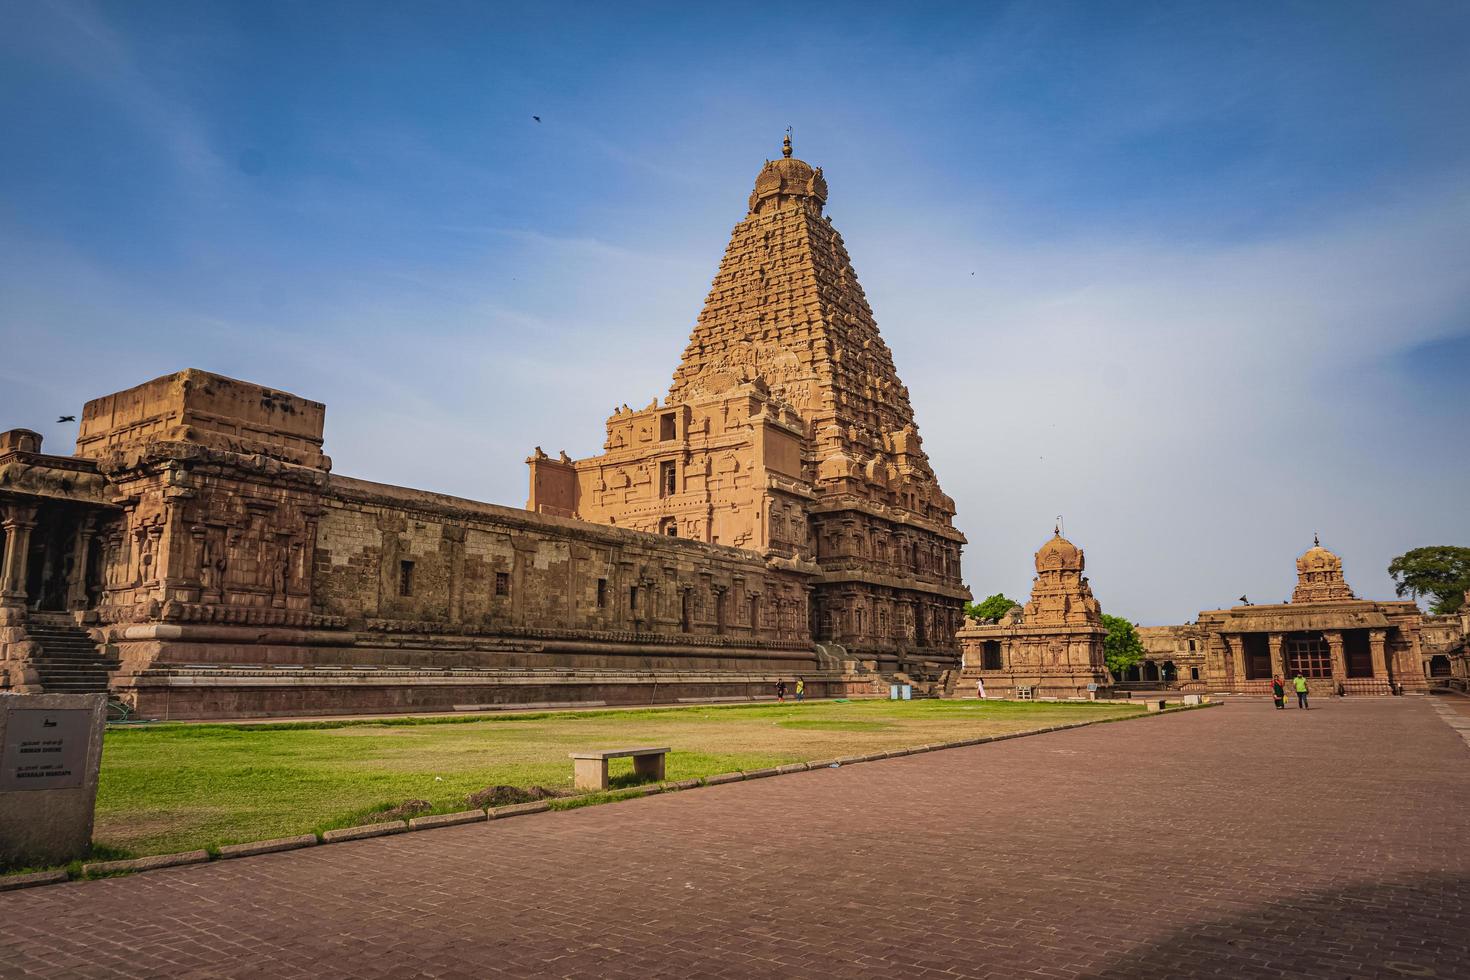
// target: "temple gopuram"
[[774, 517], [1340, 643], [787, 432], [1051, 648]]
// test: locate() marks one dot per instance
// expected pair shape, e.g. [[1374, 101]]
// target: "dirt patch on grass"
[[508, 795], [406, 809]]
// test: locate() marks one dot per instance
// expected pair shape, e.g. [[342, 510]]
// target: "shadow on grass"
[[97, 852]]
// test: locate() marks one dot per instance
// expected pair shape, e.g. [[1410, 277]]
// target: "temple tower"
[[1053, 647], [786, 430], [1319, 576]]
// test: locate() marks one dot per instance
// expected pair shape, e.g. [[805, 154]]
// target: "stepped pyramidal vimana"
[[774, 516]]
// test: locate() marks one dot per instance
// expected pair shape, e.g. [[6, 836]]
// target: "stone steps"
[[69, 662]]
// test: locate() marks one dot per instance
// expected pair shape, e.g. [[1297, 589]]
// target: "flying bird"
[[1244, 601], [66, 418], [537, 118]]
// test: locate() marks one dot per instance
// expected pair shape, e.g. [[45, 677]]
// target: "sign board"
[[45, 749], [907, 692], [893, 692], [1092, 687]]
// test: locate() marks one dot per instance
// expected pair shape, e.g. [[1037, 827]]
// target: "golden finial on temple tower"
[[786, 144]]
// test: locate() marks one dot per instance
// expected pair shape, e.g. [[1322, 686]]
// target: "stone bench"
[[591, 767]]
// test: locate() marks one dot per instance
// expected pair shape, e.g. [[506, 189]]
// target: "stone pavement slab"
[[1232, 842]]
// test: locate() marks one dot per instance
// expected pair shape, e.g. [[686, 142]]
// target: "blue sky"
[[1220, 295]]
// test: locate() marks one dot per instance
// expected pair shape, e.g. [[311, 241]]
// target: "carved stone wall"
[[387, 555], [235, 575], [1176, 656]]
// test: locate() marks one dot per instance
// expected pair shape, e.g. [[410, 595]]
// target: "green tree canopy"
[[1122, 648], [992, 608], [1441, 572]]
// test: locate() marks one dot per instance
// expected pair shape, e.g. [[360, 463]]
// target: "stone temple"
[[1342, 644], [774, 517], [1051, 647], [787, 432]]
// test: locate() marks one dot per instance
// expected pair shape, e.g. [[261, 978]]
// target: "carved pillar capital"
[[18, 517]]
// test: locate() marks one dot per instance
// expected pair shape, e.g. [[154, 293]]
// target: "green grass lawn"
[[178, 787]]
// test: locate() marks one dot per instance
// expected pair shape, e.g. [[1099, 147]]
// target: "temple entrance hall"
[[50, 558]]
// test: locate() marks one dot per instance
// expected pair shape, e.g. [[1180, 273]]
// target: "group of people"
[[800, 689], [1278, 690]]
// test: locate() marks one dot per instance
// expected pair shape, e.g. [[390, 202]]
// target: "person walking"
[[1278, 691], [980, 688], [781, 689], [1300, 683], [800, 688]]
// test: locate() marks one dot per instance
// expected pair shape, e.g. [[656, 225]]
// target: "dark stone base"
[[180, 694]]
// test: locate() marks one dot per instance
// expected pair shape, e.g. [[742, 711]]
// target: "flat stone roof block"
[[195, 406]]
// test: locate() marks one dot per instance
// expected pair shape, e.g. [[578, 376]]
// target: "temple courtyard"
[[1238, 841], [178, 787]]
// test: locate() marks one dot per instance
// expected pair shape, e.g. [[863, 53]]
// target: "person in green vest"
[[1300, 683]]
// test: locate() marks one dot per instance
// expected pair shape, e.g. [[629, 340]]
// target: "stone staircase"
[[69, 662], [928, 679]]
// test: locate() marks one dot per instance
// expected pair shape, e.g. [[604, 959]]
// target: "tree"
[[1122, 648], [992, 608], [1440, 571]]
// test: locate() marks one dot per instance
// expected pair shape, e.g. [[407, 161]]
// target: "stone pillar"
[[1376, 642], [76, 592], [1278, 654], [523, 561], [1339, 664], [17, 651], [451, 546], [721, 613], [198, 572], [1410, 676], [1236, 643], [18, 522]]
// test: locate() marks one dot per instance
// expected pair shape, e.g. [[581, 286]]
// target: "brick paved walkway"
[[1235, 842]]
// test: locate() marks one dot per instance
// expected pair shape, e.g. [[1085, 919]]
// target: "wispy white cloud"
[[1196, 411], [75, 36]]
